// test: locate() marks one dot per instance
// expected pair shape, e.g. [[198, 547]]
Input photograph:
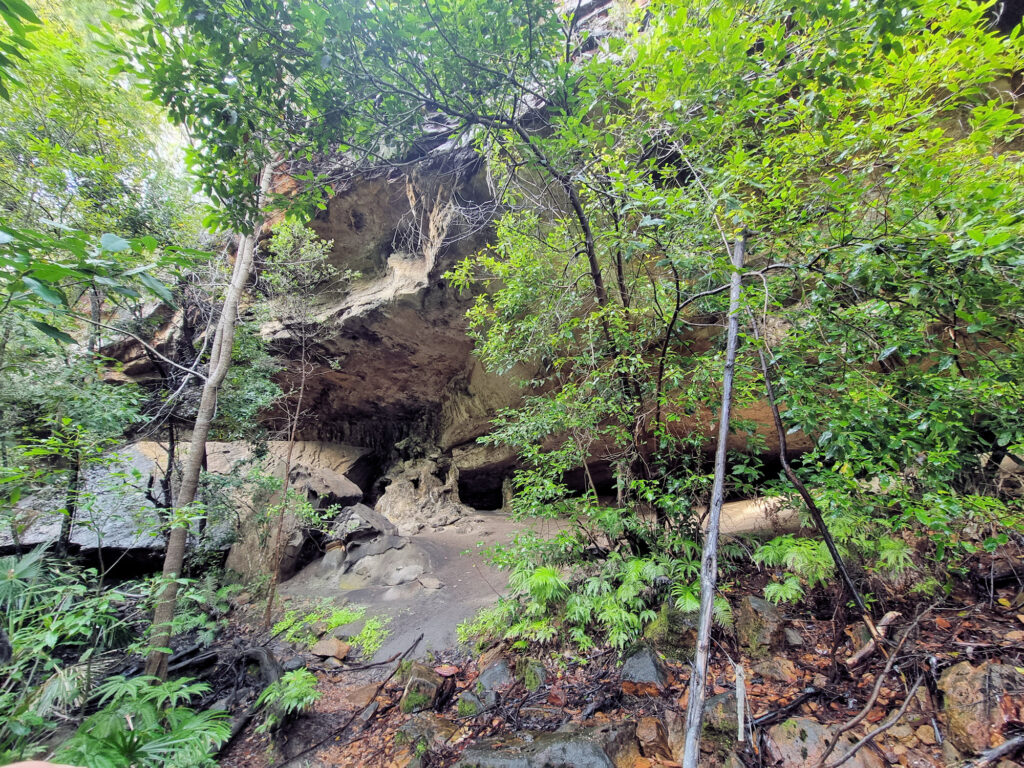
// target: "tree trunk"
[[709, 558], [220, 362]]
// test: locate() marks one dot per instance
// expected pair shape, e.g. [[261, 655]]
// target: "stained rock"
[[532, 673], [720, 712], [800, 742], [653, 738], [331, 647], [777, 668], [643, 674], [980, 703], [607, 746], [494, 677], [421, 690], [427, 728], [793, 638], [759, 625], [673, 633]]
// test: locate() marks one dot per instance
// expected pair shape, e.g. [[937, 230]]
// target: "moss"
[[532, 673], [672, 633], [414, 701], [466, 708]]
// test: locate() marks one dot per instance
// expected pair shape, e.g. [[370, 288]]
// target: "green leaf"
[[44, 292], [54, 333], [157, 287], [113, 243]]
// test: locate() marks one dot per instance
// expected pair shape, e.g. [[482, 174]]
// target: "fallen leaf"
[[942, 623], [447, 670]]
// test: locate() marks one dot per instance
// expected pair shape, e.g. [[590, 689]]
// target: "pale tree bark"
[[220, 362], [709, 557]]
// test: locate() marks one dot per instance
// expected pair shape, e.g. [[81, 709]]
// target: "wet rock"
[[426, 728], [532, 673], [720, 712], [793, 638], [758, 625], [673, 633], [495, 677], [800, 742], [980, 702], [777, 668], [421, 690], [643, 674], [292, 663], [331, 647], [469, 705], [600, 747], [653, 738]]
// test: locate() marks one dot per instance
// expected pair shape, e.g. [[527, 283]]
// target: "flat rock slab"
[[606, 746], [800, 742]]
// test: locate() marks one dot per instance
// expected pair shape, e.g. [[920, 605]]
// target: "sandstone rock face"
[[980, 703], [800, 742]]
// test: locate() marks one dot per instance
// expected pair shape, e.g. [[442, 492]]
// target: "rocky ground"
[[949, 692]]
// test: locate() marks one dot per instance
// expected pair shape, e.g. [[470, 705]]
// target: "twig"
[[850, 724], [341, 729], [883, 727], [993, 755], [872, 644]]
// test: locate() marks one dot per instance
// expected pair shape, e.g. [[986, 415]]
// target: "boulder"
[[495, 677], [980, 703], [759, 625], [422, 689], [653, 738], [606, 746], [800, 742], [778, 668], [643, 674], [673, 633], [720, 713], [331, 647], [531, 673]]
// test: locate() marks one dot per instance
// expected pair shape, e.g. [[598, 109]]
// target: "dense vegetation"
[[863, 160]]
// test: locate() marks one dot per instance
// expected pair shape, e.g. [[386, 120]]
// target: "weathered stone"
[[427, 728], [800, 742], [720, 712], [469, 705], [758, 625], [653, 738], [926, 735], [532, 673], [793, 638], [431, 582], [980, 702], [673, 633], [333, 647], [421, 690], [292, 663], [643, 674], [599, 747], [675, 728], [777, 668], [361, 697], [495, 677]]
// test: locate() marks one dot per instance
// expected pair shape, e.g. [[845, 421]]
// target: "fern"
[[293, 694]]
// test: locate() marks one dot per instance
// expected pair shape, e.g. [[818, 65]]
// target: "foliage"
[[297, 627], [293, 694], [146, 722], [371, 637], [60, 628]]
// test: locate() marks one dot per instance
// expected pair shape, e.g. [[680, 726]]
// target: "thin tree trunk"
[[709, 558], [812, 507], [70, 508], [220, 362], [276, 554]]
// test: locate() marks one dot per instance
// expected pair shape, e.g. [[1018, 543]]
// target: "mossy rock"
[[532, 673], [673, 633]]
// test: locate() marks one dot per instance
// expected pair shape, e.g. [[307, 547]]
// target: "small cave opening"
[[482, 490]]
